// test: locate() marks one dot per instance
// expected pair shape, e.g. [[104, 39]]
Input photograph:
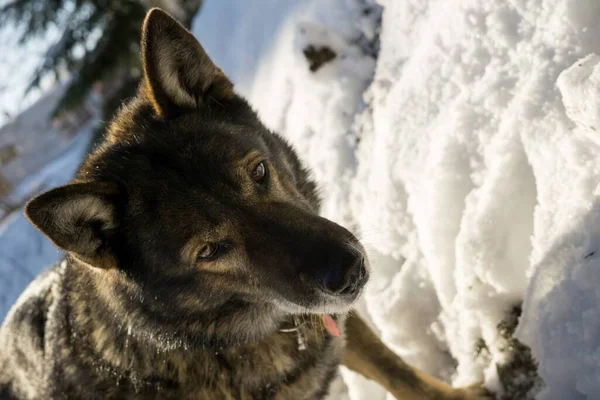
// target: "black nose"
[[345, 274]]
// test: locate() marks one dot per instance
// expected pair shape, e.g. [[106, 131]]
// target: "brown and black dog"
[[197, 265]]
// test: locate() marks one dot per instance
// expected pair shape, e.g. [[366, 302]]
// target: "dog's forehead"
[[227, 141], [196, 154]]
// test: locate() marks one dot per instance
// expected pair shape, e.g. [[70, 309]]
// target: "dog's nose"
[[345, 275]]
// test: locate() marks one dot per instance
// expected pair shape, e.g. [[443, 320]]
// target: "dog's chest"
[[277, 369], [274, 369]]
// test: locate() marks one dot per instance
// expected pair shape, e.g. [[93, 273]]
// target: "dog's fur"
[[143, 308]]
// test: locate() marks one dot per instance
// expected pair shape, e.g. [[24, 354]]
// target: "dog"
[[197, 266]]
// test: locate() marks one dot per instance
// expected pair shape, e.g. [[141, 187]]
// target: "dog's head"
[[196, 207]]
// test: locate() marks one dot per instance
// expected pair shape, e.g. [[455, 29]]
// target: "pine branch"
[[99, 39]]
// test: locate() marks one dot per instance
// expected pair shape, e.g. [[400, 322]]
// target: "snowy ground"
[[464, 156]]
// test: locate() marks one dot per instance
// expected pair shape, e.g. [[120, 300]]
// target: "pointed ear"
[[178, 74], [79, 218]]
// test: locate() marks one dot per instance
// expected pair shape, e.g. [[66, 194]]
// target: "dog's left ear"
[[80, 218], [178, 73]]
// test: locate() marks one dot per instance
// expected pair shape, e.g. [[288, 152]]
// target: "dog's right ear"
[[79, 218], [178, 74]]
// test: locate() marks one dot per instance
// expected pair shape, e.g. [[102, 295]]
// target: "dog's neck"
[[138, 351]]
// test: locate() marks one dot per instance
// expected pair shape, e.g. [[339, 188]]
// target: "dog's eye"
[[259, 174], [208, 251]]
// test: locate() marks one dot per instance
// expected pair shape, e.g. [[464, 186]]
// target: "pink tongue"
[[331, 325]]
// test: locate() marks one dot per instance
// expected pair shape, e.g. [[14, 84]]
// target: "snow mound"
[[562, 306]]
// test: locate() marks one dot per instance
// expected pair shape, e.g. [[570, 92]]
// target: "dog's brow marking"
[[251, 156], [286, 189], [188, 252]]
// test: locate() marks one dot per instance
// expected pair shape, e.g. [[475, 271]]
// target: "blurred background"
[[458, 140]]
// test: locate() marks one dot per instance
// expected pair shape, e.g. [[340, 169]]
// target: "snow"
[[464, 156], [562, 302], [477, 167]]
